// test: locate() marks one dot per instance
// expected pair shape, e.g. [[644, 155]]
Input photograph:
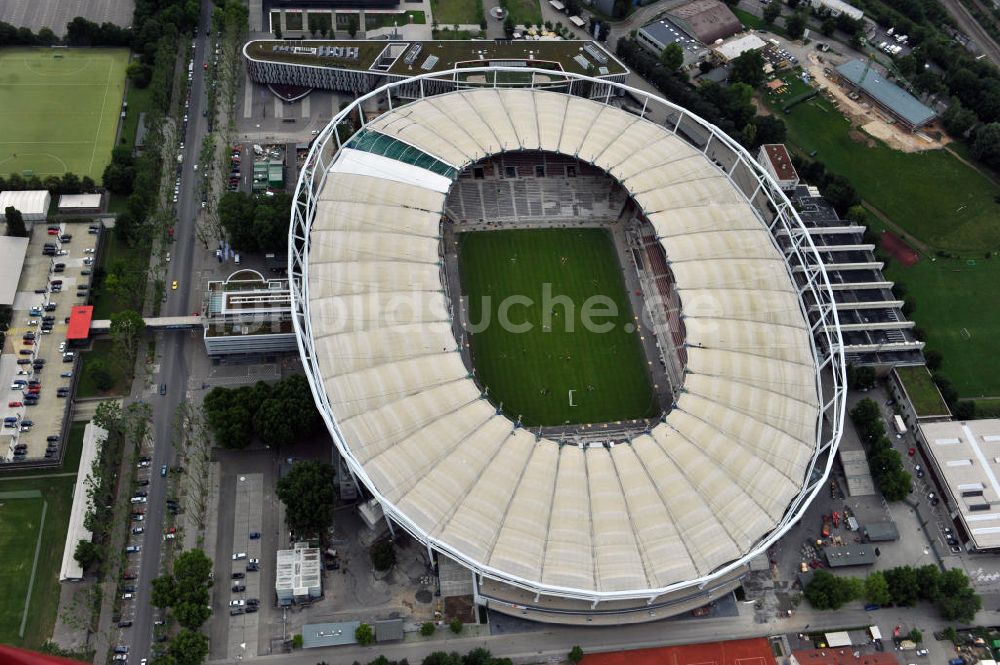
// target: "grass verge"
[[523, 12], [559, 371], [456, 12], [102, 355]]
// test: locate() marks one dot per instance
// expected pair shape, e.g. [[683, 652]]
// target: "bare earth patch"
[[871, 120]]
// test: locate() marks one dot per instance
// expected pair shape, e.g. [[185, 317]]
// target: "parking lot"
[[35, 365], [245, 580]]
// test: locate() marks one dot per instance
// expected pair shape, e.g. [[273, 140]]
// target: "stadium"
[[625, 471]]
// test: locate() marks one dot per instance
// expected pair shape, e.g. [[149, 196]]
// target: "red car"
[[911, 452], [13, 405], [28, 342], [172, 529], [53, 232], [205, 66]]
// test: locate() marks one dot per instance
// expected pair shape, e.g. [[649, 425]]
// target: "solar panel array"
[[429, 63], [411, 57], [343, 52], [596, 54]]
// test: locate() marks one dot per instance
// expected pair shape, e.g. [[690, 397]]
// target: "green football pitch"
[[20, 525], [60, 109], [556, 370]]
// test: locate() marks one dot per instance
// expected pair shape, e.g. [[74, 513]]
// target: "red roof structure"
[[79, 322], [736, 652], [841, 656], [14, 656]]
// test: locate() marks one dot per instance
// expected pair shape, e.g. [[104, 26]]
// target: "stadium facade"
[[633, 526]]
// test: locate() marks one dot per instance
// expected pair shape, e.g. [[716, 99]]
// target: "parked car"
[[133, 548], [239, 555]]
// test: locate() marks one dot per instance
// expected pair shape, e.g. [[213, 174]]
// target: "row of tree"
[[256, 223], [728, 107], [275, 414], [838, 191], [949, 591], [184, 592], [479, 656], [67, 183], [885, 462]]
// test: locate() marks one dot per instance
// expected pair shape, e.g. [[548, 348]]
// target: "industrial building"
[[298, 574], [358, 66], [248, 315], [660, 33], [79, 203], [874, 330], [733, 48], [964, 461], [777, 162], [93, 438], [885, 95], [33, 204], [836, 8], [706, 20], [12, 253], [601, 530]]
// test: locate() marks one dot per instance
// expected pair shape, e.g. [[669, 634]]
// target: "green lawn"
[[958, 305], [116, 249], [456, 12], [139, 101], [383, 20], [60, 109], [20, 520], [523, 12], [923, 393], [751, 21], [532, 372], [931, 194]]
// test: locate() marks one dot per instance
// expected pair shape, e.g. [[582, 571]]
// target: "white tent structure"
[[32, 204], [725, 473], [93, 438]]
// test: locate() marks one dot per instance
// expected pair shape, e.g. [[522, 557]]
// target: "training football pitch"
[[547, 366], [21, 515], [60, 109]]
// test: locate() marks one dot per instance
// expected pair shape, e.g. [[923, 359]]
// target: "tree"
[[986, 144], [86, 554], [352, 26], [383, 555], [903, 585], [164, 591], [15, 222], [427, 628], [127, 327], [277, 29], [672, 56], [877, 589], [101, 374], [772, 11], [828, 26], [307, 492], [191, 615], [839, 193], [827, 591], [865, 412], [442, 658], [933, 358], [795, 25], [748, 68], [456, 625], [957, 119], [189, 648], [297, 641], [575, 654], [364, 635]]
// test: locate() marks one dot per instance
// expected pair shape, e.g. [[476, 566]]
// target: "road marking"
[[100, 120], [34, 567]]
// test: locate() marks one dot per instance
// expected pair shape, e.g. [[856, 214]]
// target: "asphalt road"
[[175, 347]]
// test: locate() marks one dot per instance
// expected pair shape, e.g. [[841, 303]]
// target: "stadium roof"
[[12, 251], [890, 95], [696, 493], [437, 55], [79, 322], [966, 460]]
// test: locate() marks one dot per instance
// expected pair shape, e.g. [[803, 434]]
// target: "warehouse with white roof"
[[33, 204], [664, 518]]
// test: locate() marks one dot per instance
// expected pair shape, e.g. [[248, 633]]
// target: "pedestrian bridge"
[[155, 323]]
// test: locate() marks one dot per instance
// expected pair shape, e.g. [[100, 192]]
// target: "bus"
[[900, 426]]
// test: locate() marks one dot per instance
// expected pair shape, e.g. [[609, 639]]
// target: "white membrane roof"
[[695, 493]]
